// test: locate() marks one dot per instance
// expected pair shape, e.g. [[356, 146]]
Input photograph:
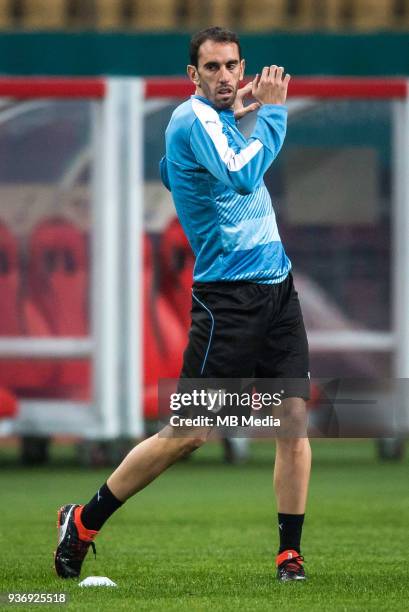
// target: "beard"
[[221, 99], [225, 100]]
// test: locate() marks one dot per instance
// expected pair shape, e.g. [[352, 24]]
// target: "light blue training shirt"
[[216, 178]]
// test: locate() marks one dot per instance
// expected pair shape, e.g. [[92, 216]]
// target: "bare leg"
[[150, 458], [293, 460]]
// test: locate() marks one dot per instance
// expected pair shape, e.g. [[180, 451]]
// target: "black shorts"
[[248, 330]]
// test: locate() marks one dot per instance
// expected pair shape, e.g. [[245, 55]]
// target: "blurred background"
[[95, 278], [333, 188], [245, 15]]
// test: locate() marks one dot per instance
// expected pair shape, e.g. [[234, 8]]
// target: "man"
[[246, 318]]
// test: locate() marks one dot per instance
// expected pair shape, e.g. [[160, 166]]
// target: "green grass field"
[[203, 536]]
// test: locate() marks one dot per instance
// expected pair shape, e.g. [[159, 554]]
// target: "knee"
[[294, 421], [293, 446], [189, 445]]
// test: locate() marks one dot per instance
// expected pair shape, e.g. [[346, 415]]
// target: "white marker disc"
[[97, 581]]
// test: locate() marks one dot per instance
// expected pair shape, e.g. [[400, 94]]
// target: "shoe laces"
[[294, 564], [81, 546]]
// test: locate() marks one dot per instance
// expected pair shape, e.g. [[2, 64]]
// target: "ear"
[[242, 68], [193, 75]]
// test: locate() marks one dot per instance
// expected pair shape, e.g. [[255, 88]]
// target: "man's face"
[[219, 72]]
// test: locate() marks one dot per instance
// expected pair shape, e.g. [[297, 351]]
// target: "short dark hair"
[[214, 33]]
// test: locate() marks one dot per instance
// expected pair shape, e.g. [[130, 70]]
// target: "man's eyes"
[[216, 67]]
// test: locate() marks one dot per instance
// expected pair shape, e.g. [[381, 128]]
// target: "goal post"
[[344, 170], [115, 228]]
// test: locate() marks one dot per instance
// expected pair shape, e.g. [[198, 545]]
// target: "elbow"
[[244, 187], [245, 191], [245, 182]]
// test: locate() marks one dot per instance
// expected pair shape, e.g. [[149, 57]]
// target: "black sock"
[[290, 528], [99, 509]]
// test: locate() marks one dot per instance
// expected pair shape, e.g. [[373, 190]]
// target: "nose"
[[224, 74]]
